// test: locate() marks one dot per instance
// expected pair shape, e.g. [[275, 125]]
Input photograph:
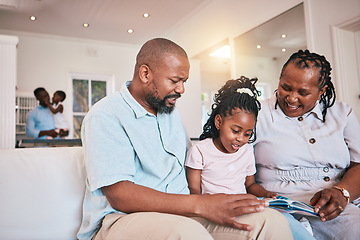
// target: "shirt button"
[[326, 179], [300, 118], [312, 140], [326, 169]]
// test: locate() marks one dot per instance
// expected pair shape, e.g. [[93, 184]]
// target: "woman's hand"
[[329, 203]]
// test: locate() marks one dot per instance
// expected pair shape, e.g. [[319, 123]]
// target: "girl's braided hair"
[[239, 93], [306, 59]]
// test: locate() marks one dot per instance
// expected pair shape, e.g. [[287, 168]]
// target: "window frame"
[[109, 79]]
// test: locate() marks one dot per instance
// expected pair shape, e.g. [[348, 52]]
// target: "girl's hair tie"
[[245, 90]]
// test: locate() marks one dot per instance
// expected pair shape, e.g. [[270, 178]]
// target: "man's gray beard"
[[160, 104]]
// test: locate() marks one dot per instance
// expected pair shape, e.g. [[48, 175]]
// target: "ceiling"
[[109, 20], [268, 35]]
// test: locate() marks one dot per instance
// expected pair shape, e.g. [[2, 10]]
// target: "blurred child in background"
[[62, 127]]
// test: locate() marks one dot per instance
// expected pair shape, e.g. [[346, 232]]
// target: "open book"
[[284, 204]]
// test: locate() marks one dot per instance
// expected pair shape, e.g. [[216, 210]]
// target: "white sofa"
[[42, 190]]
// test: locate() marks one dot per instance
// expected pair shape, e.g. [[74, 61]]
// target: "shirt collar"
[[277, 114], [316, 111], [139, 110]]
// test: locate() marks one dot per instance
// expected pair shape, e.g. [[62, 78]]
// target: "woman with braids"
[[223, 161], [308, 146]]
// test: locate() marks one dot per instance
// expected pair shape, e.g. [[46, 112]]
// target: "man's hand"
[[329, 203], [222, 208], [51, 133], [63, 133]]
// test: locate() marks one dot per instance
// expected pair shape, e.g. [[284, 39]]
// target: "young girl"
[[223, 161], [57, 109]]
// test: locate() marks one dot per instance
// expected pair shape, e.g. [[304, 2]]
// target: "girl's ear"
[[218, 121]]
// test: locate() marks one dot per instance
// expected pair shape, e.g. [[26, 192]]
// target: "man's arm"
[[128, 197]]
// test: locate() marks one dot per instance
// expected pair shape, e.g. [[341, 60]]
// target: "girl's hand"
[[271, 195]]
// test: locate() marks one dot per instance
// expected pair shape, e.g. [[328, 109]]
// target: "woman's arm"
[[194, 180], [330, 202], [351, 180]]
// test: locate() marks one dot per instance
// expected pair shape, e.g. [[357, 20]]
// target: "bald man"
[[135, 146]]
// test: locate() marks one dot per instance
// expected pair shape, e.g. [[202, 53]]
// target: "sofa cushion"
[[42, 191]]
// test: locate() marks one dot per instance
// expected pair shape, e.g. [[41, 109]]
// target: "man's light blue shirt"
[[124, 142], [39, 119]]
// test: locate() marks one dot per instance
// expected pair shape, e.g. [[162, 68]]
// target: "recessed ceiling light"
[[130, 30], [223, 52], [258, 46], [283, 50], [283, 36], [85, 25], [146, 15], [32, 18]]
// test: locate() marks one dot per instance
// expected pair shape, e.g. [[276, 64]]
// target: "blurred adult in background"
[[40, 121]]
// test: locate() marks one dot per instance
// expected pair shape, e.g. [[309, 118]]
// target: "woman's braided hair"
[[306, 59], [239, 93]]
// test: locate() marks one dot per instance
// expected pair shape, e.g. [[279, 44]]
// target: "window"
[[87, 90]]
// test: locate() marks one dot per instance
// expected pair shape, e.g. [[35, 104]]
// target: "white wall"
[[263, 68], [213, 80], [46, 61], [320, 15], [323, 16], [189, 105], [7, 90]]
